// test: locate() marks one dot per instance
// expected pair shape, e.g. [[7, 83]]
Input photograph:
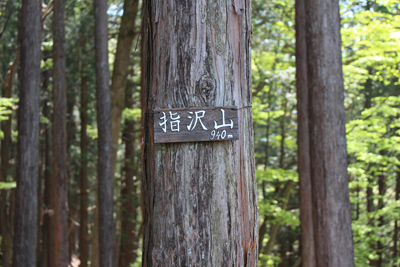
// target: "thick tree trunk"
[[83, 230], [6, 128], [328, 155], [59, 198], [129, 196], [104, 165], [25, 236], [303, 140], [120, 72], [200, 202]]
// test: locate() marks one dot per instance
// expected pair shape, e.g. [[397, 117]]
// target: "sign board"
[[195, 124]]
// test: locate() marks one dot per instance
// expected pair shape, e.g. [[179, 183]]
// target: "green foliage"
[[7, 185]]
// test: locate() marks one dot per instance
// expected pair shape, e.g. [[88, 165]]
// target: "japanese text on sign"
[[195, 124]]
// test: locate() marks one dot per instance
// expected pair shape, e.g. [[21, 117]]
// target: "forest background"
[[370, 51]]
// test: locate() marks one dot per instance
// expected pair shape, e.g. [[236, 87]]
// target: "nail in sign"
[[196, 124]]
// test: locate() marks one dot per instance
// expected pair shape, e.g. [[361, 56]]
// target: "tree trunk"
[[129, 196], [104, 165], [303, 140], [59, 198], [379, 245], [200, 202], [120, 72], [328, 156], [83, 230], [48, 240], [396, 223], [25, 236], [6, 128]]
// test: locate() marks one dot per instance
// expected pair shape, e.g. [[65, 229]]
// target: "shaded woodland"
[[313, 180]]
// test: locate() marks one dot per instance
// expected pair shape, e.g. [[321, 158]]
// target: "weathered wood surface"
[[195, 124], [104, 163], [328, 156], [25, 235], [199, 199], [303, 137]]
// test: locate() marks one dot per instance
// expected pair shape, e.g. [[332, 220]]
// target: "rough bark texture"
[[83, 230], [129, 196], [59, 198], [307, 229], [103, 106], [330, 193], [200, 203], [6, 128], [25, 236], [48, 240], [120, 72]]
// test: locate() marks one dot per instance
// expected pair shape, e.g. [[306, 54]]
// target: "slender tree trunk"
[[274, 229], [48, 240], [129, 196], [303, 140], [6, 128], [83, 230], [25, 236], [105, 168], [328, 156], [200, 203], [396, 223], [379, 245], [60, 222], [120, 72]]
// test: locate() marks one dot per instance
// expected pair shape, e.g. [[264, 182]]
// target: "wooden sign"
[[195, 124]]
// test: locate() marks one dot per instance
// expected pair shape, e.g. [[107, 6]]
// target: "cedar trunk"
[[83, 179], [328, 155], [200, 203], [129, 196], [25, 236], [307, 229], [59, 197], [104, 164], [120, 72]]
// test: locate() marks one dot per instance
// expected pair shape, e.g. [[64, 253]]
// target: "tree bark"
[[48, 240], [200, 203], [59, 198], [6, 128], [328, 156], [83, 230], [303, 140], [105, 164], [129, 196], [25, 236], [120, 72]]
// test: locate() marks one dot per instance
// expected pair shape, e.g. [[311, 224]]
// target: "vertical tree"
[[200, 203], [28, 136], [60, 220], [129, 196], [120, 72], [83, 230], [307, 229], [328, 154], [104, 165]]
